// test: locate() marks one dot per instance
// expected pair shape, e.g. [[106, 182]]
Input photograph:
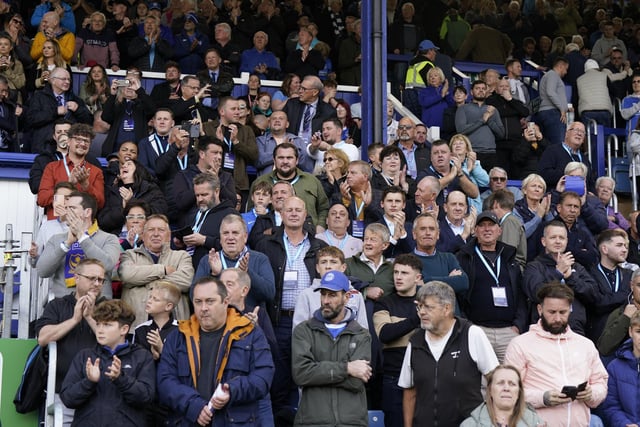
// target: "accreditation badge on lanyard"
[[197, 225], [290, 280], [357, 225], [498, 292], [229, 158]]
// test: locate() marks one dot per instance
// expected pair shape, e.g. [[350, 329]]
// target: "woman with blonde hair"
[[461, 148], [533, 210], [334, 171], [435, 98], [504, 405], [51, 58]]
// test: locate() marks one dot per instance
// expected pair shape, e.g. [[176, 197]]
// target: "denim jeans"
[[552, 128]]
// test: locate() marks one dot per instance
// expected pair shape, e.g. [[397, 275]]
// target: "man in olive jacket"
[[333, 391]]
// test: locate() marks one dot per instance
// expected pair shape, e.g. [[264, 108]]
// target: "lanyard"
[[504, 217], [228, 142], [438, 174], [66, 167], [489, 269], [275, 179], [199, 221], [571, 154], [292, 260], [224, 261], [330, 240], [160, 149], [617, 284], [359, 209], [182, 163]]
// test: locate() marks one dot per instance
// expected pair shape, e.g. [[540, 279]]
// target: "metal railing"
[[54, 411], [593, 123], [612, 140], [634, 185]]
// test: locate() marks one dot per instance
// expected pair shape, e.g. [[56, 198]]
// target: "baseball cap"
[[334, 281], [591, 64], [155, 5], [426, 45], [191, 17], [487, 215]]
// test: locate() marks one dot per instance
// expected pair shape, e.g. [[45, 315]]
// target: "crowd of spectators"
[[328, 246]]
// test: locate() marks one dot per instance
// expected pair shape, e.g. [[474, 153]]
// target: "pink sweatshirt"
[[549, 362]]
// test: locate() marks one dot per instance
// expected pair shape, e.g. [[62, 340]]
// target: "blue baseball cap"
[[334, 281], [426, 45]]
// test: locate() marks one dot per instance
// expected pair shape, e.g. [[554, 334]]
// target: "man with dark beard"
[[306, 186], [331, 354], [482, 124], [562, 374]]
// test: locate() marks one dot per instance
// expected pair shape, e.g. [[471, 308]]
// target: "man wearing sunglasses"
[[498, 181]]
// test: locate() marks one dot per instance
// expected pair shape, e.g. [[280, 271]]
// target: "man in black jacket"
[[556, 264], [307, 112], [53, 102], [206, 217], [292, 253], [494, 301], [612, 279]]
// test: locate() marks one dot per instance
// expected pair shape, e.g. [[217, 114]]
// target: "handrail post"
[[634, 186], [595, 132]]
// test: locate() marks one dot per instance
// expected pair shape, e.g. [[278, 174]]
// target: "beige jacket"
[[138, 273]]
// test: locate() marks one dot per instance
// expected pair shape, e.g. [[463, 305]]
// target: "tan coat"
[[138, 274]]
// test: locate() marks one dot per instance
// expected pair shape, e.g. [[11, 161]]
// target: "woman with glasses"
[[14, 27], [334, 171], [135, 213], [133, 183]]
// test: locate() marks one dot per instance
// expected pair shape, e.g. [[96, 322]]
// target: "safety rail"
[[612, 140], [593, 123], [54, 410], [634, 183]]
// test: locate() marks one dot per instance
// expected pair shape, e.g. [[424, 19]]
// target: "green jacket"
[[330, 396], [383, 278], [480, 418], [309, 189]]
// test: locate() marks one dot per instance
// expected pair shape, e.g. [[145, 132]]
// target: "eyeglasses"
[[81, 140], [304, 89], [193, 87], [428, 308], [635, 81], [498, 178], [401, 127], [577, 131], [329, 159], [64, 79], [17, 21], [99, 280], [140, 217]]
